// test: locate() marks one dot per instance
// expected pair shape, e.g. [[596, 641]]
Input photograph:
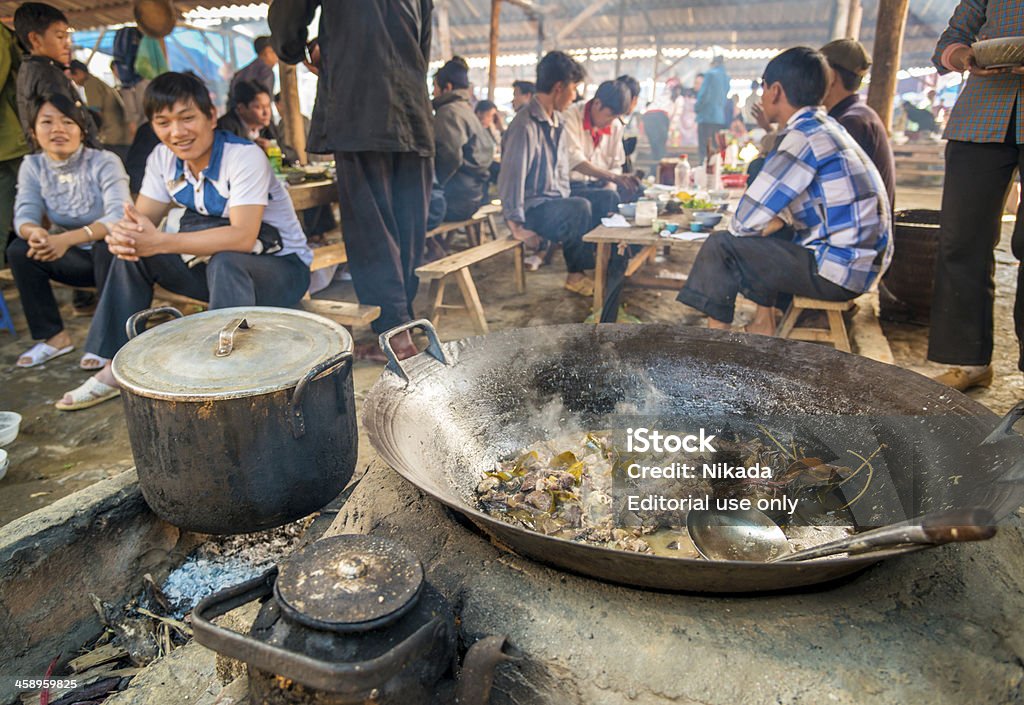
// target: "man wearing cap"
[[850, 63]]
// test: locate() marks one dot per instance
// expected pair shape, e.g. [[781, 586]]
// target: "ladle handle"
[[433, 345], [960, 525], [973, 524]]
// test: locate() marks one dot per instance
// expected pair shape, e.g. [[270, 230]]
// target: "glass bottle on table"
[[683, 173]]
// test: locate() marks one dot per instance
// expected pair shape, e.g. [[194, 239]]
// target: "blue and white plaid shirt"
[[821, 182]]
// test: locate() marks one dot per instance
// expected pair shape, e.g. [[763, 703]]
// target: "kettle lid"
[[349, 583]]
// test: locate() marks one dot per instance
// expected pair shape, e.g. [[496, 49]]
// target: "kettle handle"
[[298, 421], [433, 345], [351, 679], [131, 326]]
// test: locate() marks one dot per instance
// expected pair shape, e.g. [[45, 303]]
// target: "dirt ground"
[[57, 453]]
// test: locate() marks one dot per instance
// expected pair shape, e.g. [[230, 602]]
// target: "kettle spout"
[[477, 675]]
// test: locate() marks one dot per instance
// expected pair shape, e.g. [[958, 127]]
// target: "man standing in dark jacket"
[[373, 112]]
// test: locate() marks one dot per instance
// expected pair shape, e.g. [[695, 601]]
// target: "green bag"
[[150, 61]]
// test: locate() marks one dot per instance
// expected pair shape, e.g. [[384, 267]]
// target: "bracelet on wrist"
[[89, 233]]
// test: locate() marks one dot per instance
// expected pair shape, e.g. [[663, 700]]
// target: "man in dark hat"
[[849, 63]]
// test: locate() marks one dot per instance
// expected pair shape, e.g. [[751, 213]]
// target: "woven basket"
[[155, 18], [906, 294]]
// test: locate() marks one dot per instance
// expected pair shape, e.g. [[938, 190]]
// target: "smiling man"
[[239, 227]]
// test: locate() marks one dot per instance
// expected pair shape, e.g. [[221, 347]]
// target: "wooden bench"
[[456, 266], [836, 331], [473, 227], [344, 312], [920, 160]]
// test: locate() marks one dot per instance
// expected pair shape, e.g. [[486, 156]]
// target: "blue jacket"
[[712, 96]]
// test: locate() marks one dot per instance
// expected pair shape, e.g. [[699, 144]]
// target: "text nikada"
[[710, 471]]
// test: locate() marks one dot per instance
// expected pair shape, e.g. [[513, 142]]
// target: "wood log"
[[892, 21], [293, 123]]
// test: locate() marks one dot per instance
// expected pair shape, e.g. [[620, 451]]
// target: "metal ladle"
[[740, 535], [751, 535]]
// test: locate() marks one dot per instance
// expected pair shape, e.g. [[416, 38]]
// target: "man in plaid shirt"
[[985, 147], [838, 239]]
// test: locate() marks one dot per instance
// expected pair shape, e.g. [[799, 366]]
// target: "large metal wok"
[[443, 417]]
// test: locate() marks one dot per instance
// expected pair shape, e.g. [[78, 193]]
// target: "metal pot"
[[240, 419], [346, 620], [443, 417]]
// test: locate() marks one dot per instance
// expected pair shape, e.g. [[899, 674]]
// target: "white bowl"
[[627, 210], [10, 422], [998, 53], [4, 463]]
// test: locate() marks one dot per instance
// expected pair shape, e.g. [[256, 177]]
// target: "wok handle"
[[131, 326], [433, 345], [226, 338], [1005, 427], [298, 421], [960, 525]]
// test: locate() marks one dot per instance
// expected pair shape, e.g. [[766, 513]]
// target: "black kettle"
[[350, 619]]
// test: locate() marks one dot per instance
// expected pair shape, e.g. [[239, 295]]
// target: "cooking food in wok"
[[444, 417]]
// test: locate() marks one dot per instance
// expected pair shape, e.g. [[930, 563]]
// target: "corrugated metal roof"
[[735, 24]]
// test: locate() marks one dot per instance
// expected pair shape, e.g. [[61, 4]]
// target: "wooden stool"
[[836, 331], [457, 266]]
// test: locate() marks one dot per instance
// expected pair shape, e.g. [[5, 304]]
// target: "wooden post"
[[293, 123], [885, 61], [618, 38], [444, 29], [492, 69], [840, 19], [856, 17]]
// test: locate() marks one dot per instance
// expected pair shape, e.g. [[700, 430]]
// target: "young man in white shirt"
[[596, 152], [245, 232]]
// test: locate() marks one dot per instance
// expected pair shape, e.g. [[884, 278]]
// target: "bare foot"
[[764, 322], [715, 324]]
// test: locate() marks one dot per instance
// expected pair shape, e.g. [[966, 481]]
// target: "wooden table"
[[606, 238], [310, 194]]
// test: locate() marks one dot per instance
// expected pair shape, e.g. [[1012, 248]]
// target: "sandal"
[[91, 362], [41, 353], [533, 262], [583, 287], [90, 393]]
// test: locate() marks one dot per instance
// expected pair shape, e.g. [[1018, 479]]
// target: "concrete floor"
[[58, 453]]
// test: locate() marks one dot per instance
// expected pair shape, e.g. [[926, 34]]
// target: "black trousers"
[[565, 220], [705, 131], [978, 177], [77, 267], [767, 270], [604, 200], [227, 279], [656, 125], [384, 198]]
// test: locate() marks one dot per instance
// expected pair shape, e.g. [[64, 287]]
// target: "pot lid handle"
[[433, 345], [226, 339]]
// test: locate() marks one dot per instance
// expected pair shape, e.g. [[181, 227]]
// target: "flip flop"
[[90, 393], [41, 353], [91, 362]]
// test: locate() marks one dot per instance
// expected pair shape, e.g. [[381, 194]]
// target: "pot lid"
[[228, 353], [349, 583]]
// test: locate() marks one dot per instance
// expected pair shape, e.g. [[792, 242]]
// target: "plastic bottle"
[[683, 173], [274, 154], [715, 172]]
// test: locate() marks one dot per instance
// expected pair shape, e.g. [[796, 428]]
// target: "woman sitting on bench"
[[80, 191], [239, 226]]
